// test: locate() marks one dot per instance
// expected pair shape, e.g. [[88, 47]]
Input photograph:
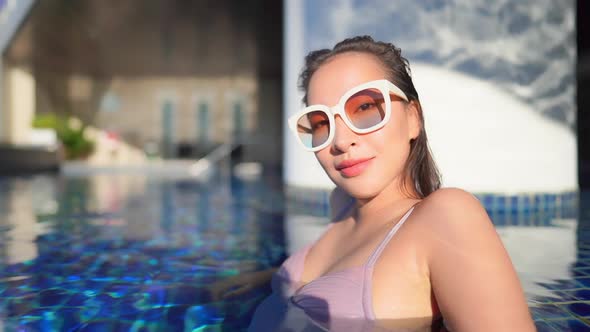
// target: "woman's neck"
[[388, 204]]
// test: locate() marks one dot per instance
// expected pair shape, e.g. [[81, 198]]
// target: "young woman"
[[400, 254]]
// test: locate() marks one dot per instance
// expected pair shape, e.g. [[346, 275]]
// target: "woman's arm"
[[340, 202], [239, 284], [474, 282]]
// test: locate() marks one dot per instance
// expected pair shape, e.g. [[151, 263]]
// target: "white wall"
[[483, 138], [486, 140]]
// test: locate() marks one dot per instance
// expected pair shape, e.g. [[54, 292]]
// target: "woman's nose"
[[344, 137]]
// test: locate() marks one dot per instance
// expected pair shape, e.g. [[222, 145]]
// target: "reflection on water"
[[133, 252]]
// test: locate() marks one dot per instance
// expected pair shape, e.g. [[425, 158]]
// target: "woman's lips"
[[353, 168]]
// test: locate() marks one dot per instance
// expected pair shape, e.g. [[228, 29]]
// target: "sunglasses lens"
[[313, 128], [366, 108]]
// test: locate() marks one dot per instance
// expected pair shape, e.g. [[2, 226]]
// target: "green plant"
[[75, 143]]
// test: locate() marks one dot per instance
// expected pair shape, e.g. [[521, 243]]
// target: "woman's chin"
[[359, 193]]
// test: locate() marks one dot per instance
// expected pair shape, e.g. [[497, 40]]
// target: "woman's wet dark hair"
[[420, 165]]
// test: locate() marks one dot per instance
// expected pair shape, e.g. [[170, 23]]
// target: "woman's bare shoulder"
[[452, 205], [465, 252], [450, 194], [454, 215]]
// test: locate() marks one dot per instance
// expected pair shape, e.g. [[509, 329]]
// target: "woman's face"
[[384, 150]]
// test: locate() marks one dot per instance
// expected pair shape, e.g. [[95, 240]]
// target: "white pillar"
[[300, 168], [12, 15], [2, 108], [19, 88]]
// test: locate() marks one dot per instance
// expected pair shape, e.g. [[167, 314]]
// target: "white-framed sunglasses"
[[364, 108]]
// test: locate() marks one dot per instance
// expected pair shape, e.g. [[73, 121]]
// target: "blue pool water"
[[131, 252], [120, 253]]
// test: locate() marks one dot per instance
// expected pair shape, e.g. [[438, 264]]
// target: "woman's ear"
[[413, 110]]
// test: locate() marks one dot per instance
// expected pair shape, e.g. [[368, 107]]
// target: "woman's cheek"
[[324, 162]]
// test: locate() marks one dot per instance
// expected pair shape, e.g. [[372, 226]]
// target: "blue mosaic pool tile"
[[570, 295], [567, 283], [581, 309], [548, 311], [501, 203], [489, 200], [153, 314], [175, 317], [543, 326], [557, 297], [69, 317], [536, 203], [515, 203], [582, 294], [48, 319], [75, 300], [197, 316], [566, 325], [559, 286], [105, 325], [53, 297], [580, 272], [20, 306], [583, 280], [551, 200], [550, 299], [117, 289], [516, 209], [582, 262]]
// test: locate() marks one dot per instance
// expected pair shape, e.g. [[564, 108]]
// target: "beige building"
[[165, 77]]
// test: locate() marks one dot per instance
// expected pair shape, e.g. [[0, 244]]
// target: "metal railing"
[[201, 167]]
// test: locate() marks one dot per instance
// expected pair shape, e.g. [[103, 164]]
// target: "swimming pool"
[[132, 252]]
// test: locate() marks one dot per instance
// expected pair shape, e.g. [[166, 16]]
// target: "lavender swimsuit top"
[[337, 301]]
